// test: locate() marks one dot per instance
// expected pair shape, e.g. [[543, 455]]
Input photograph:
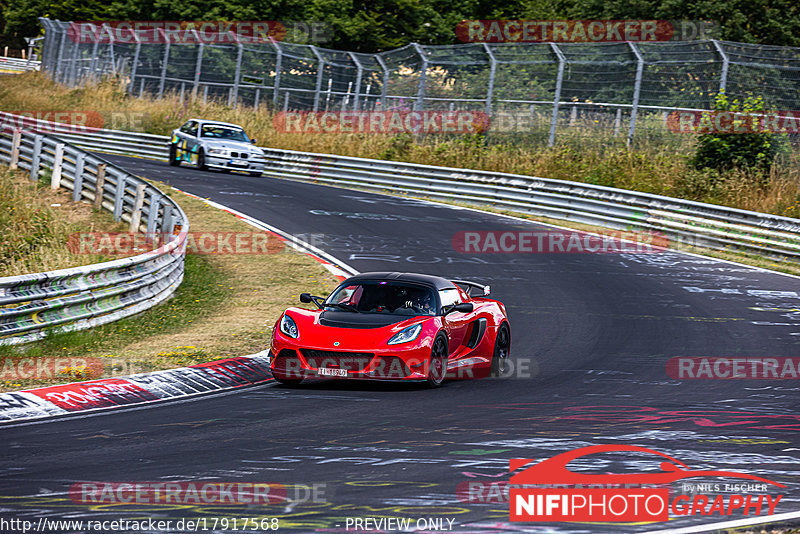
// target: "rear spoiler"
[[483, 289]]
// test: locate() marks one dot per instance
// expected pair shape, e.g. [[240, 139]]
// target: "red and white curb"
[[146, 388]]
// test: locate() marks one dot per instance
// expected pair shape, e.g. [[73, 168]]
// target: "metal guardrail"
[[18, 65], [33, 305], [681, 221]]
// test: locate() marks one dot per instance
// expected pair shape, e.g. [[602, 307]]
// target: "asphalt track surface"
[[592, 334]]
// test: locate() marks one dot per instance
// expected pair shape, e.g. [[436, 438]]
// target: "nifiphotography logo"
[[612, 498]]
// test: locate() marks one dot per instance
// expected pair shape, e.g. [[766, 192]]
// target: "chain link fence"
[[540, 89]]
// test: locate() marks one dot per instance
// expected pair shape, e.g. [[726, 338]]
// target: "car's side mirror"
[[252, 141], [463, 307], [305, 298]]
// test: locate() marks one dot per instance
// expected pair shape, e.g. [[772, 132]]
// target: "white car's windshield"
[[228, 133], [383, 297]]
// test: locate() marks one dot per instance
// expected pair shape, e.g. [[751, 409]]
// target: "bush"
[[754, 151]]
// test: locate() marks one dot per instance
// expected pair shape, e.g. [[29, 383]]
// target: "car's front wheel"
[[173, 155], [437, 365], [201, 160], [502, 350]]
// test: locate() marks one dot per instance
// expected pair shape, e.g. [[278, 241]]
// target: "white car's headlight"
[[218, 151], [405, 335], [288, 326]]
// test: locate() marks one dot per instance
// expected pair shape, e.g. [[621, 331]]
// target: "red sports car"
[[393, 326]]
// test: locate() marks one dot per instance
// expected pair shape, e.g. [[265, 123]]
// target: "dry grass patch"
[[36, 223]]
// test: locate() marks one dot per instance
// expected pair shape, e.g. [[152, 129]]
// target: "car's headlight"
[[288, 326], [218, 151], [405, 335]]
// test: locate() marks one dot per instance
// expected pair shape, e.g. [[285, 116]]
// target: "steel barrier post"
[[58, 162], [136, 213], [36, 157], [99, 185], [80, 161], [16, 139]]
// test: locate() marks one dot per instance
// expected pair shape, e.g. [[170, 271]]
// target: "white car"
[[215, 145]]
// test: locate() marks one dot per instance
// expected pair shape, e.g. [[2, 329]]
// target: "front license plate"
[[237, 163], [327, 371]]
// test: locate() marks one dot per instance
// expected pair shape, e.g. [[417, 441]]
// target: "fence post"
[[78, 181], [723, 77], [385, 84], [58, 163], [136, 214], [119, 197], [423, 73], [71, 72], [557, 96], [93, 64], [617, 121], [135, 64], [198, 66], [60, 60], [99, 185], [637, 87], [111, 56], [238, 71], [276, 83], [490, 86], [165, 62], [16, 139], [359, 74], [320, 72], [36, 157]]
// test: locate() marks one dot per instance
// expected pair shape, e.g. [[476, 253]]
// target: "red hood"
[[313, 334]]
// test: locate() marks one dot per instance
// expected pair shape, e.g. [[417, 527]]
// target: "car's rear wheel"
[[437, 365], [502, 350], [173, 155]]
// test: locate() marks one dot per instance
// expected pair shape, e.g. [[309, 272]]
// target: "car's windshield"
[[383, 297], [220, 131]]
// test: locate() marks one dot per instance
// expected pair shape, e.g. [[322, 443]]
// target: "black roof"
[[426, 279]]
